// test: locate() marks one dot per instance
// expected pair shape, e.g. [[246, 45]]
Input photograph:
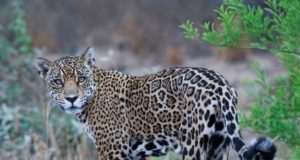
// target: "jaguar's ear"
[[42, 65], [88, 56]]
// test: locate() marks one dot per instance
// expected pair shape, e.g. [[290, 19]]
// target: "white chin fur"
[[73, 110]]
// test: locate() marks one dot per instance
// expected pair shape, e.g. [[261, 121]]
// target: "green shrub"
[[15, 53], [275, 28], [13, 36]]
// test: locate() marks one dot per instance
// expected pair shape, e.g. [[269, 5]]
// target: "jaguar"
[[191, 111]]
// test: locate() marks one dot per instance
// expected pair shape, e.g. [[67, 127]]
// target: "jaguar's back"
[[176, 100]]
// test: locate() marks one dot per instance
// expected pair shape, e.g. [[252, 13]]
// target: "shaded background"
[[136, 37], [140, 26]]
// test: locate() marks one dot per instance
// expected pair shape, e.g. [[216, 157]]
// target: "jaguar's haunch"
[[191, 111]]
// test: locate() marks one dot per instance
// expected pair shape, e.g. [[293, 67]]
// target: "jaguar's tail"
[[263, 148], [259, 149]]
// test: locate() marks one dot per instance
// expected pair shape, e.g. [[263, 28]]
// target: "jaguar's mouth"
[[73, 109]]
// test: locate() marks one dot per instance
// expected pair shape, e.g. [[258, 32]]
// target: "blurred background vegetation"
[[140, 37]]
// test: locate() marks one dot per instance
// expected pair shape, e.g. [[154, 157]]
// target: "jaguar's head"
[[69, 80]]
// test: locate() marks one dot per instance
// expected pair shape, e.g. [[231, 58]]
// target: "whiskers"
[[60, 102], [83, 100]]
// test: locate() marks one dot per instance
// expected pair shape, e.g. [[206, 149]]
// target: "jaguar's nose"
[[71, 98]]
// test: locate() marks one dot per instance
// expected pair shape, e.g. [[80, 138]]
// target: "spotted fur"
[[191, 111]]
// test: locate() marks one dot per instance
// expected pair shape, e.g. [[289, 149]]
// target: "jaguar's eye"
[[81, 79], [58, 82]]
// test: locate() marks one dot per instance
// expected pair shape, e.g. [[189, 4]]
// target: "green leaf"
[[189, 31]]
